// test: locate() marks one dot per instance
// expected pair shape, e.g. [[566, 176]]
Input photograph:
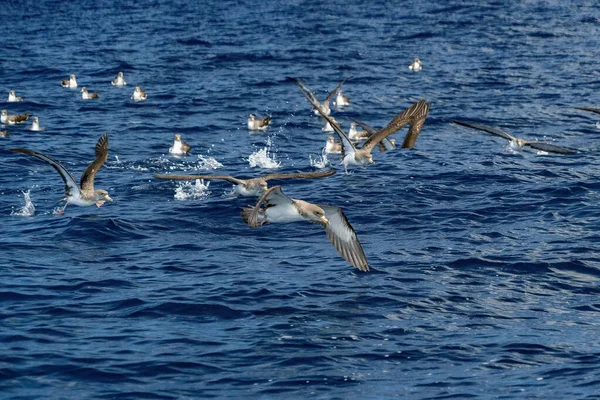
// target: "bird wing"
[[386, 144], [71, 186], [87, 179], [344, 239], [174, 177], [488, 129], [550, 148], [271, 197], [300, 175], [397, 123], [19, 118], [594, 110], [368, 128], [310, 96], [417, 120], [330, 95]]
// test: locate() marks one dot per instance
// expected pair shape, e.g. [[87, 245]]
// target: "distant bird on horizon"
[[13, 98], [179, 147], [248, 187], [69, 83], [85, 95], [319, 108], [280, 208], [138, 94], [518, 144], [83, 194], [416, 66], [255, 124], [35, 125], [13, 119], [119, 80]]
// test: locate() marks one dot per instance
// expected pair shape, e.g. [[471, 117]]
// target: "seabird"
[[138, 94], [179, 146], [591, 109], [517, 144], [13, 98], [3, 133], [341, 100], [385, 145], [13, 119], [35, 125], [281, 209], [83, 194], [414, 115], [327, 126], [332, 147], [69, 83], [353, 134], [119, 80], [323, 107], [416, 66], [85, 95], [255, 124], [248, 187]]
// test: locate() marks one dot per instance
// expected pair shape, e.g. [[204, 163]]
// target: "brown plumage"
[[319, 107], [13, 119]]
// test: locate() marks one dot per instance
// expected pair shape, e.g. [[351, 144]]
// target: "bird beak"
[[325, 220], [107, 197]]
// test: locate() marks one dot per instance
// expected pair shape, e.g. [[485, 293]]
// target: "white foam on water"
[[319, 162], [197, 190], [208, 162], [28, 209], [263, 158]]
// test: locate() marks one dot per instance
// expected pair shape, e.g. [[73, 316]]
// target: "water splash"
[[208, 163], [197, 190], [263, 158], [28, 209], [319, 162]]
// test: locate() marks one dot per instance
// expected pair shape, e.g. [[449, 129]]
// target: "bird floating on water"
[[13, 119], [319, 108], [35, 125], [332, 147], [69, 83], [179, 147], [354, 134], [255, 124], [518, 144], [3, 133], [248, 187], [119, 80], [138, 94], [83, 194], [85, 95], [13, 98], [416, 66], [341, 100], [280, 208]]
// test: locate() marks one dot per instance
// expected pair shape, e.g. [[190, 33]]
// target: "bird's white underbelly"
[[283, 213]]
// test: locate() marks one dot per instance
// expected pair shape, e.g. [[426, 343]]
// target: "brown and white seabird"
[[386, 144], [416, 66], [255, 124], [179, 147], [248, 187], [138, 94], [320, 108], [341, 100], [279, 208], [13, 119], [119, 80], [69, 83], [355, 134], [3, 133], [414, 116], [35, 125], [85, 95], [13, 98], [518, 144], [332, 147], [83, 194], [327, 126]]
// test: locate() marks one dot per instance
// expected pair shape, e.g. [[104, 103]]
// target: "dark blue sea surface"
[[485, 277]]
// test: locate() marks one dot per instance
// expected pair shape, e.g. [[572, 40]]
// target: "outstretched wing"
[[405, 117], [488, 129], [368, 128], [309, 94], [417, 120], [594, 110], [330, 95], [550, 148], [300, 175], [87, 179], [271, 197], [174, 177], [71, 186], [344, 239]]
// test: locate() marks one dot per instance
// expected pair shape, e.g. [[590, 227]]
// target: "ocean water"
[[485, 262]]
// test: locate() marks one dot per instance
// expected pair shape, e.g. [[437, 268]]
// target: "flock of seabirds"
[[273, 206]]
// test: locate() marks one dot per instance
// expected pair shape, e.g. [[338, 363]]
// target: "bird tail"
[[253, 216], [247, 213]]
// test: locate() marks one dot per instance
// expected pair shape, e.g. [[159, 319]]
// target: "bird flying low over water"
[[385, 145], [281, 209], [119, 80], [255, 124], [69, 83], [83, 194], [248, 187], [13, 119], [320, 108], [518, 144], [179, 147], [85, 95]]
